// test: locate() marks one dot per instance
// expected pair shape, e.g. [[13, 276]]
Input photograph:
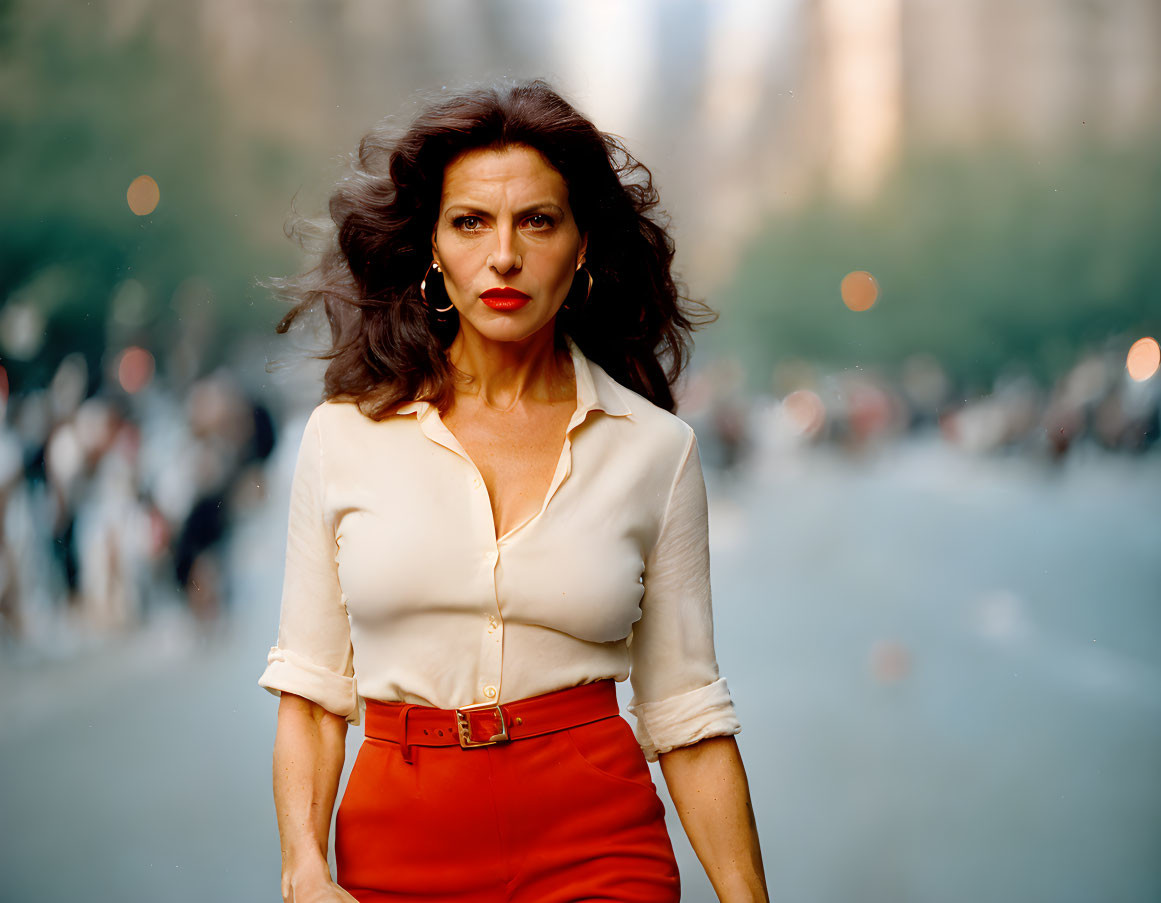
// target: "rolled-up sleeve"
[[678, 695], [313, 657]]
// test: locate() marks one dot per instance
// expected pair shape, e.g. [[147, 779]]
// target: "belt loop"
[[404, 746]]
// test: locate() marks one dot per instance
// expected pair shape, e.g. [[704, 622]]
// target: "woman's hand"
[[315, 888], [322, 893]]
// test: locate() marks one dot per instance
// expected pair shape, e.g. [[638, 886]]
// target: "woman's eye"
[[468, 223], [540, 221]]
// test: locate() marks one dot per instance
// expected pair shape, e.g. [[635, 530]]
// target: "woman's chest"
[[516, 457], [418, 540]]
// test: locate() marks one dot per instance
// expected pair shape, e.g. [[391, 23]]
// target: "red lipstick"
[[505, 298]]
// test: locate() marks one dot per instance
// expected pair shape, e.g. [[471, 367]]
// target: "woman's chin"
[[507, 326]]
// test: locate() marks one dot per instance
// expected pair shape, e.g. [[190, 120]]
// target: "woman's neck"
[[503, 375]]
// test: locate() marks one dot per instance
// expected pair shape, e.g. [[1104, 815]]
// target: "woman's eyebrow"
[[542, 207], [459, 209]]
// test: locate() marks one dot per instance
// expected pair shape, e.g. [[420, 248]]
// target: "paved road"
[[947, 670]]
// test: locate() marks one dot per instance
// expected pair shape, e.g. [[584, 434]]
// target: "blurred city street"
[[945, 667], [929, 409]]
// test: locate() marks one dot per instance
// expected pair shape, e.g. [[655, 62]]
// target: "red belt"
[[485, 724]]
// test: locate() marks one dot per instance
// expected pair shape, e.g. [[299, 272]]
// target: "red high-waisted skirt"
[[561, 817]]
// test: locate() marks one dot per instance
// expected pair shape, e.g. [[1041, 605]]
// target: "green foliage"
[[986, 259], [87, 103]]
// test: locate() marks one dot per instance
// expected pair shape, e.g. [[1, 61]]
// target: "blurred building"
[[839, 89], [739, 106], [1038, 74]]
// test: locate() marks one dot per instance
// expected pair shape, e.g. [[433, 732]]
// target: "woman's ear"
[[434, 250], [580, 254]]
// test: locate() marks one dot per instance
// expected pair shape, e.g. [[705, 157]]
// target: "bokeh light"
[[805, 412], [859, 290], [1143, 359], [143, 195], [135, 369], [22, 330], [69, 385], [890, 661]]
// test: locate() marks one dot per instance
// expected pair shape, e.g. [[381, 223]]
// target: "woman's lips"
[[505, 298]]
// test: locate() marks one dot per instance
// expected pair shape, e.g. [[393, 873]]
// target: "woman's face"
[[506, 241]]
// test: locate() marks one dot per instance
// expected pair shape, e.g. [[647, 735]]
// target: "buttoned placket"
[[490, 675]]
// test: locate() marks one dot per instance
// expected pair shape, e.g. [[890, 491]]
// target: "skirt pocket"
[[610, 749]]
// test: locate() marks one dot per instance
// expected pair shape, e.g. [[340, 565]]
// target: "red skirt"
[[563, 816]]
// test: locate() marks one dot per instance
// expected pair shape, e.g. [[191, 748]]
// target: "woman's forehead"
[[517, 173]]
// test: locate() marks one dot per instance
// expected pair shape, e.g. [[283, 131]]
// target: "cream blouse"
[[396, 587]]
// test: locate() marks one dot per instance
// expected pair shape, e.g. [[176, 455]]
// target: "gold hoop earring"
[[423, 289], [588, 291]]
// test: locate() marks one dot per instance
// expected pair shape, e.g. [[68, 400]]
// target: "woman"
[[494, 516]]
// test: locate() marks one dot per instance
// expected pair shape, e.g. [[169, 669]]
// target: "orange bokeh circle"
[[1143, 359], [859, 290], [135, 369], [143, 195]]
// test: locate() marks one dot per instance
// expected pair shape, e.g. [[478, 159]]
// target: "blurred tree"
[[988, 260], [94, 95]]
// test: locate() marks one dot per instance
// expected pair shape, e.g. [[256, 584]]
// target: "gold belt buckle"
[[464, 723]]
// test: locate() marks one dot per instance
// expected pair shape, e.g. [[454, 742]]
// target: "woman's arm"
[[309, 748], [707, 784]]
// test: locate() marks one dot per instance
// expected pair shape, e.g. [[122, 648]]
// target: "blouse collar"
[[595, 389]]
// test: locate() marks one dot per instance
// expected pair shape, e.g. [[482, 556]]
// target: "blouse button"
[[489, 691]]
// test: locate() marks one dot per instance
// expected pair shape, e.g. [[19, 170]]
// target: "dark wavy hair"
[[389, 348]]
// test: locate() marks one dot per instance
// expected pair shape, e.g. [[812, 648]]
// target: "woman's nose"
[[506, 256]]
